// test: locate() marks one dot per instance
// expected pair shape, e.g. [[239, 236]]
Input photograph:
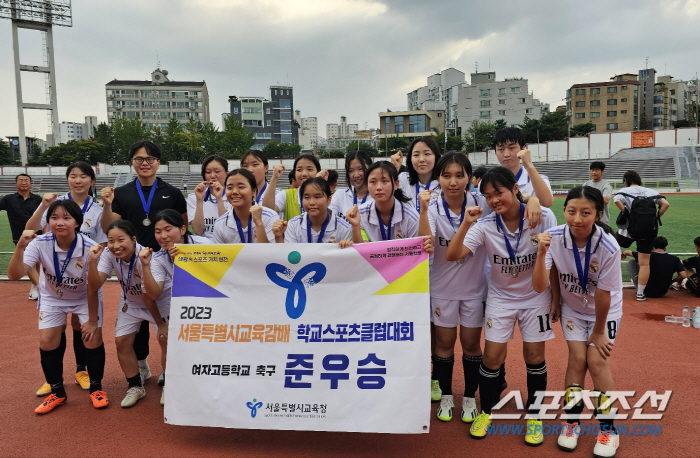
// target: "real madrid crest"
[[331, 240], [533, 240], [399, 234], [125, 308], [41, 316], [437, 311], [87, 223], [594, 266], [489, 323], [79, 264], [569, 325]]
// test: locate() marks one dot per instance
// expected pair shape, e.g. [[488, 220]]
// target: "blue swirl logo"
[[253, 406], [295, 283]]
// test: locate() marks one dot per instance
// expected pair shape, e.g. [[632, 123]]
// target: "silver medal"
[[514, 271], [460, 261], [59, 293], [584, 302], [146, 222]]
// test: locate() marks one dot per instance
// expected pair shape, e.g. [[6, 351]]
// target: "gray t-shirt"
[[604, 187]]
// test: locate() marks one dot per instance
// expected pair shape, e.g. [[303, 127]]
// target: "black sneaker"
[[641, 297]]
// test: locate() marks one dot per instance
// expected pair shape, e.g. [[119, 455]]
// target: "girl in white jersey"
[[457, 289], [511, 249], [356, 165], [318, 224], [245, 222], [81, 181], [423, 154], [62, 256], [288, 203], [121, 256], [208, 201], [158, 269], [255, 162], [585, 257]]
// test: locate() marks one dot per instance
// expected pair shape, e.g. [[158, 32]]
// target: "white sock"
[[143, 363], [640, 289]]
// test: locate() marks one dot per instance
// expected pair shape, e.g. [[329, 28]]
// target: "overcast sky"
[[354, 58]]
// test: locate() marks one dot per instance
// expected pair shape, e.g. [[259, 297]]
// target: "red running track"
[[649, 355]]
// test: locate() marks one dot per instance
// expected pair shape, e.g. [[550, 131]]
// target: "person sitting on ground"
[[662, 266], [692, 271]]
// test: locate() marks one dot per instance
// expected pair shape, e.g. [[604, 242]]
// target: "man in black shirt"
[[139, 203], [662, 267], [20, 206]]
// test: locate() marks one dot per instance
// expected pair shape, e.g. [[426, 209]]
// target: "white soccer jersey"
[[338, 229], [74, 281], [162, 265], [92, 218], [226, 231], [210, 207], [412, 191], [134, 297], [627, 201], [466, 279], [343, 200], [604, 272], [506, 291], [404, 222], [525, 184], [261, 194]]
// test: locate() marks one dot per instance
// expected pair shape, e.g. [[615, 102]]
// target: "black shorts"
[[643, 246]]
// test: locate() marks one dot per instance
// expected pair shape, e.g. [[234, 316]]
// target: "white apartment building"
[[343, 130], [308, 131], [69, 131], [158, 100]]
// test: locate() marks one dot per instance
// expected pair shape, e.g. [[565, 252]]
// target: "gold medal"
[[59, 293], [514, 271]]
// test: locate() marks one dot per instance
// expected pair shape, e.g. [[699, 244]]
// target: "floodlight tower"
[[39, 15]]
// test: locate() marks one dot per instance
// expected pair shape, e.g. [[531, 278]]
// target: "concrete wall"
[[665, 138], [557, 151], [620, 140], [578, 148]]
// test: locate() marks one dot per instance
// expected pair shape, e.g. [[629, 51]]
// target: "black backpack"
[[643, 217]]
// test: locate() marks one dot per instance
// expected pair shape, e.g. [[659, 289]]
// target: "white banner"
[[302, 337]]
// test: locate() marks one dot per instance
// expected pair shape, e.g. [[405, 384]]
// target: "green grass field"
[[681, 224]]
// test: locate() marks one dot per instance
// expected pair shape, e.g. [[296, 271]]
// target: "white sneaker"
[[444, 411], [568, 439], [133, 395], [162, 397], [606, 445], [144, 371], [469, 412], [33, 293], [161, 379]]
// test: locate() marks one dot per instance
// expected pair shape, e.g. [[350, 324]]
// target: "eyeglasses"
[[139, 160]]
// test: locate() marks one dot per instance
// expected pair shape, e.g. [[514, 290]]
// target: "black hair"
[[332, 176], [390, 169], [632, 177], [697, 241], [508, 135], [69, 207], [214, 157], [597, 165], [150, 147], [430, 143], [87, 170], [292, 175], [362, 156], [123, 225], [454, 158], [309, 157], [594, 196], [23, 175], [479, 172], [248, 175], [659, 243], [257, 154], [322, 184], [500, 177], [172, 217]]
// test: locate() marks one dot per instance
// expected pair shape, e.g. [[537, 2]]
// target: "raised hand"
[[95, 252], [107, 195], [424, 198], [48, 198], [278, 227], [145, 256], [525, 156], [353, 216], [397, 160], [323, 174], [471, 214], [26, 237], [277, 171], [544, 239], [256, 211], [200, 190]]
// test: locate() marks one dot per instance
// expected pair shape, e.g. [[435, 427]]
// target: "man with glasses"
[[139, 202]]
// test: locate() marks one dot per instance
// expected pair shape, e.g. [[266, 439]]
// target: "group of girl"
[[509, 263]]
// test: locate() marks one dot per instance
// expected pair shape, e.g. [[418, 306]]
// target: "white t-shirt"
[[627, 201], [162, 265], [281, 201], [261, 194], [74, 280], [604, 272], [343, 200], [92, 218], [226, 230], [505, 291], [404, 222], [338, 229], [463, 280], [412, 191], [210, 207], [134, 297], [525, 184]]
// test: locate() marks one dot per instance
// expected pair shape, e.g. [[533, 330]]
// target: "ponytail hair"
[[173, 218], [388, 168], [500, 177], [595, 197]]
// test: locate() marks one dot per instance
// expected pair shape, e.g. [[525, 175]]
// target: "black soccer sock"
[[134, 381], [443, 368], [536, 381], [470, 366], [52, 364], [96, 365], [502, 384], [141, 339], [573, 396], [79, 350], [602, 409], [488, 383]]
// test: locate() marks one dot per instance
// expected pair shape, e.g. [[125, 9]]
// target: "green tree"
[[103, 135], [235, 139], [355, 145], [581, 130], [211, 139], [550, 127], [35, 153], [454, 143], [125, 133], [88, 151], [684, 123], [391, 145], [644, 123], [479, 136], [277, 150], [500, 124], [6, 153]]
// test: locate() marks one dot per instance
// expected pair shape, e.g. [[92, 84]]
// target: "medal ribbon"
[[261, 193], [60, 269], [381, 223], [207, 194], [447, 211], [427, 188], [354, 197], [320, 234], [582, 270], [125, 285], [86, 205], [146, 205], [511, 252], [240, 227]]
